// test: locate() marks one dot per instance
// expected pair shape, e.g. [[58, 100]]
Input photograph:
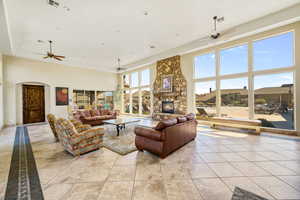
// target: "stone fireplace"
[[177, 94], [167, 107]]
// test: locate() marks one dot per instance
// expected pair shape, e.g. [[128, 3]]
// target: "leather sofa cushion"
[[95, 113], [166, 123], [190, 116], [181, 119], [149, 133], [85, 113]]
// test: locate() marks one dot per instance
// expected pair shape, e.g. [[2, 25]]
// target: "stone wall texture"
[[170, 66]]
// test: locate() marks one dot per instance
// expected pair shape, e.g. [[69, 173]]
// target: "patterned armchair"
[[78, 125], [76, 142]]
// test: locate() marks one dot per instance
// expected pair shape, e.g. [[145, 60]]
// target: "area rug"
[[123, 144], [240, 194]]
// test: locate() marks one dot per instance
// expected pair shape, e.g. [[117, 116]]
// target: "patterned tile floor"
[[208, 168]]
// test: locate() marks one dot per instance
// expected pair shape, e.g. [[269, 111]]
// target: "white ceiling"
[[93, 33]]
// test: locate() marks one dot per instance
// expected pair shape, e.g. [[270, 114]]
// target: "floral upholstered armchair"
[[76, 142], [78, 125]]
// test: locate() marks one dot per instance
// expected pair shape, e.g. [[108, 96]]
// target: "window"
[[126, 81], [205, 96], [146, 101], [205, 66], [274, 100], [126, 101], [274, 52], [234, 60], [134, 79], [234, 98], [137, 99], [230, 93], [145, 77]]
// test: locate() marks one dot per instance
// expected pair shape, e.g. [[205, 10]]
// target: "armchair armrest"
[[82, 128], [93, 132], [149, 133], [87, 134], [76, 123]]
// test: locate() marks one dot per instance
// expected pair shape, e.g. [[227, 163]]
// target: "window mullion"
[[218, 83], [251, 103]]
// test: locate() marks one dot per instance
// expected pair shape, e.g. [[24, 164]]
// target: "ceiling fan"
[[50, 54], [119, 68], [214, 34]]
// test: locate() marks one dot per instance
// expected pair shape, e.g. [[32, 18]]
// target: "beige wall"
[[1, 92], [20, 70]]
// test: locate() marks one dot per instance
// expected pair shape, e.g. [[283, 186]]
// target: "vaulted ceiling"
[[94, 33]]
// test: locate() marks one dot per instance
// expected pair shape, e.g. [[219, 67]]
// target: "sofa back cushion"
[[105, 112], [181, 119], [85, 113], [166, 123], [190, 116], [95, 113]]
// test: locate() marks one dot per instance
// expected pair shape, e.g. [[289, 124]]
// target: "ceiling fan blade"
[[57, 58], [46, 57], [60, 56]]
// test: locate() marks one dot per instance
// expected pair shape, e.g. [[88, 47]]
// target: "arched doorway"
[[33, 102]]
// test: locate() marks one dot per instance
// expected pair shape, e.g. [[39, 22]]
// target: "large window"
[[234, 60], [205, 94], [274, 100], [274, 52], [234, 98], [137, 98], [255, 80], [126, 101], [205, 66], [146, 101]]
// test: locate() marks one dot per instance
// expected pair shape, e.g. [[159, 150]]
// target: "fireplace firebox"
[[168, 107]]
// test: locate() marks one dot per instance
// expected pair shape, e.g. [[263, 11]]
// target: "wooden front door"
[[33, 104]]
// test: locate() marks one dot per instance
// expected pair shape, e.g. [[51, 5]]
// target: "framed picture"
[[62, 96], [167, 83]]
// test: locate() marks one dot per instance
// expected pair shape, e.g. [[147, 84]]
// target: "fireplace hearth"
[[168, 107]]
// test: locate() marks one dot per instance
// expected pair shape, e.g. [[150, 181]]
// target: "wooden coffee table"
[[120, 123]]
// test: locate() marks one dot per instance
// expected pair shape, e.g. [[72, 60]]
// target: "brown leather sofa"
[[94, 117], [167, 136]]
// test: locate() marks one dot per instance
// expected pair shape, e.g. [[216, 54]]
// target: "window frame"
[[250, 74], [139, 88]]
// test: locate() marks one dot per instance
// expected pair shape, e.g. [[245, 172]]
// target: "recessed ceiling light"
[[152, 47]]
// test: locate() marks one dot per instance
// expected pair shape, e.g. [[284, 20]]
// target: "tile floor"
[[208, 168]]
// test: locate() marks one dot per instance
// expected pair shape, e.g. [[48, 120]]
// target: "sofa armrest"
[[149, 133]]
